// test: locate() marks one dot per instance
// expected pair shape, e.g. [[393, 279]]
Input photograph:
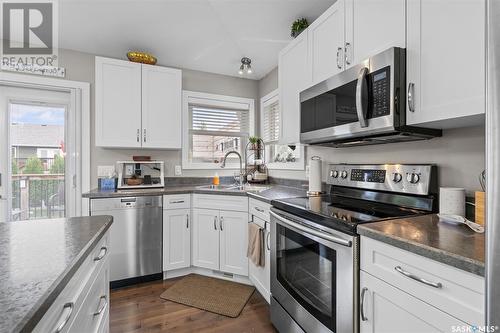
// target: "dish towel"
[[256, 251]]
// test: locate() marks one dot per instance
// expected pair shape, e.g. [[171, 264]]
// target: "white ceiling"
[[206, 35]]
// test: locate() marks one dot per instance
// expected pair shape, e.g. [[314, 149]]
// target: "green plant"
[[33, 166], [254, 140], [298, 26], [58, 165], [15, 168]]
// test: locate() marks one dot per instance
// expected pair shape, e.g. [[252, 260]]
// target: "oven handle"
[[320, 234], [361, 87]]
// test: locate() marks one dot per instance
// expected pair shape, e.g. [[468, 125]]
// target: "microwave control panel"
[[380, 88]]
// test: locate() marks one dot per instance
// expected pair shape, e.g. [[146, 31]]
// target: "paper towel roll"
[[452, 201], [315, 175]]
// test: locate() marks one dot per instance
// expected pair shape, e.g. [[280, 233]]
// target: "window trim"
[[268, 99], [214, 100]]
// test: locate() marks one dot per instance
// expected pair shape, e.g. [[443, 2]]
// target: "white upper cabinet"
[[293, 75], [161, 107], [137, 105], [445, 62], [117, 103], [326, 43], [372, 26]]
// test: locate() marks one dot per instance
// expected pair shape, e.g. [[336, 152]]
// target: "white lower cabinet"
[[261, 275], [83, 305], [205, 238], [233, 242], [220, 240], [176, 239], [386, 309]]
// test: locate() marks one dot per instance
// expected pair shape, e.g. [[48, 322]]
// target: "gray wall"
[[459, 154], [80, 67]]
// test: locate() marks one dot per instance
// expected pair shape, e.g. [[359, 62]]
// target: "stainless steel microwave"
[[362, 105]]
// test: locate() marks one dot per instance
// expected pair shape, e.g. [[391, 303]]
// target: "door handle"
[[411, 97], [68, 309], [103, 306], [346, 57], [187, 221], [144, 135], [215, 222], [138, 134], [362, 305], [268, 241], [102, 253], [220, 223], [339, 65], [361, 103], [437, 285]]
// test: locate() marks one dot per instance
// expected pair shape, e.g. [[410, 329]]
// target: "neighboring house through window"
[[212, 126]]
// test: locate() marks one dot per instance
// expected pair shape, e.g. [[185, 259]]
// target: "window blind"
[[218, 121], [271, 122]]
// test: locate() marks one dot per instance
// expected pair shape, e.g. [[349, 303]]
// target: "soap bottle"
[[215, 180]]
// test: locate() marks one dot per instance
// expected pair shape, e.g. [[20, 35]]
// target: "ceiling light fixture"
[[246, 66]]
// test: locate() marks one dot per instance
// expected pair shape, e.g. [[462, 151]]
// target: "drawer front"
[[454, 291], [221, 202], [259, 209], [176, 201], [95, 308], [69, 301]]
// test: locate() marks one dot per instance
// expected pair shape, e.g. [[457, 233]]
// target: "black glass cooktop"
[[340, 212]]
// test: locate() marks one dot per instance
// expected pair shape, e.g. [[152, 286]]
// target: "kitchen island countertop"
[[37, 259]]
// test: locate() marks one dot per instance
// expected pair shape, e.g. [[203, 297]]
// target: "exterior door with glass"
[[37, 142]]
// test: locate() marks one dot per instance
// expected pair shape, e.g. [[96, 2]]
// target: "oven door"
[[357, 102], [313, 274]]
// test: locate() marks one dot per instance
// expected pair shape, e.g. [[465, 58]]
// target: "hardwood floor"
[[139, 308]]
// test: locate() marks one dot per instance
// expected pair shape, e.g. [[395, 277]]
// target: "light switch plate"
[[105, 170], [178, 170]]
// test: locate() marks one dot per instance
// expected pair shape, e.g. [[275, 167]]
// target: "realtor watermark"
[[29, 32], [474, 329]]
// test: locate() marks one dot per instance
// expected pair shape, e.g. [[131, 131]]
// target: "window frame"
[[214, 100], [267, 100]]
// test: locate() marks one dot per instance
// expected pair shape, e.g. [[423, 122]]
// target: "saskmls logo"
[[29, 32]]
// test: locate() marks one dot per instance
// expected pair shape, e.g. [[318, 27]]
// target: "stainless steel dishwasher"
[[136, 237]]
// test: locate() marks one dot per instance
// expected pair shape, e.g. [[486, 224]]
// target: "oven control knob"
[[412, 178], [343, 174], [397, 177], [334, 174]]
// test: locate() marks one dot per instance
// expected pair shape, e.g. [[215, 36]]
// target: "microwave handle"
[[361, 88]]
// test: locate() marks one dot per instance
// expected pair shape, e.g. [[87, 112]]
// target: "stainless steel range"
[[315, 246]]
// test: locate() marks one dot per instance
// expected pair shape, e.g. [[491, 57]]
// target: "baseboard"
[[206, 272]]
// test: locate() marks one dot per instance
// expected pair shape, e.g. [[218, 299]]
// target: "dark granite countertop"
[[273, 192], [37, 260], [454, 245]]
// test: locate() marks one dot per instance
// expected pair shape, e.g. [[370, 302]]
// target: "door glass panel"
[[307, 270], [37, 147]]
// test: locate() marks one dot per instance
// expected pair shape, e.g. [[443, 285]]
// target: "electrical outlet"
[[178, 170], [129, 169]]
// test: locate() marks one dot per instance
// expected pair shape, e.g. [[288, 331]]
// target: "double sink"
[[233, 187]]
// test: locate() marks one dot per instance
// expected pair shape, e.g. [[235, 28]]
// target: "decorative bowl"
[[141, 57], [134, 181]]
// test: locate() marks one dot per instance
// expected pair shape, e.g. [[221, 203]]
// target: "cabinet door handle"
[[346, 49], [437, 285], [220, 223], [68, 310], [103, 306], [259, 209], [176, 201], [138, 135], [411, 97], [102, 253], [144, 130], [187, 221], [215, 222], [362, 305], [339, 65], [268, 241]]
